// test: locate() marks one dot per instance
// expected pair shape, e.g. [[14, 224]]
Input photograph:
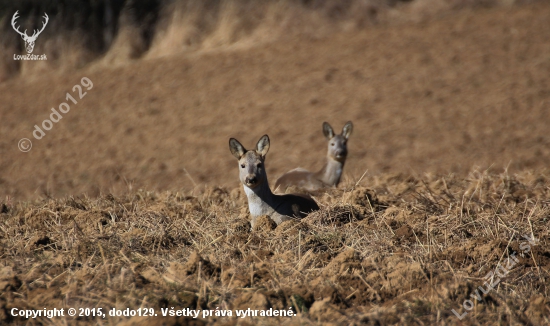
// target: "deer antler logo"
[[29, 40]]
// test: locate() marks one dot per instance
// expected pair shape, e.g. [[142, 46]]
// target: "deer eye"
[[242, 166], [331, 144]]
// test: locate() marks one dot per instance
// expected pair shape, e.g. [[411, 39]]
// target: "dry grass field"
[[132, 199], [404, 251]]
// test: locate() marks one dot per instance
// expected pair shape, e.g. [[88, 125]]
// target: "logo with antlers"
[[29, 40]]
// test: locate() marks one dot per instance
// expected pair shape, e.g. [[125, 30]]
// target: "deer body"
[[261, 200], [330, 173]]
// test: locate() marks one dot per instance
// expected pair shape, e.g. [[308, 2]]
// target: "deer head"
[[252, 172], [29, 40], [337, 144]]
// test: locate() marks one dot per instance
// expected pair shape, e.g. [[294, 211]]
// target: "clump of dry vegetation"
[[405, 250]]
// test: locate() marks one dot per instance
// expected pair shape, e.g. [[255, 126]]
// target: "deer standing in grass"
[[330, 173], [261, 201]]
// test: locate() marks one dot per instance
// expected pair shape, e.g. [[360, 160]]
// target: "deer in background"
[[330, 173], [261, 201], [29, 40]]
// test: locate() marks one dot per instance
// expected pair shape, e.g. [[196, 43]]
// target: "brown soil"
[[468, 90]]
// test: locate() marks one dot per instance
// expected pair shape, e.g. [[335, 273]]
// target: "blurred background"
[[432, 86]]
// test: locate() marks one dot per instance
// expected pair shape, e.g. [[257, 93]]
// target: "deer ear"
[[263, 145], [327, 131], [346, 131], [236, 148]]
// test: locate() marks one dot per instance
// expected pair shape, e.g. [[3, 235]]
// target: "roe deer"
[[330, 173], [261, 201]]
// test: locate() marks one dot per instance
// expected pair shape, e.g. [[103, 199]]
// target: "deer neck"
[[331, 172], [260, 199]]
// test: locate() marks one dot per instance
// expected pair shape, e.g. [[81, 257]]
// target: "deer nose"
[[251, 180], [341, 153]]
